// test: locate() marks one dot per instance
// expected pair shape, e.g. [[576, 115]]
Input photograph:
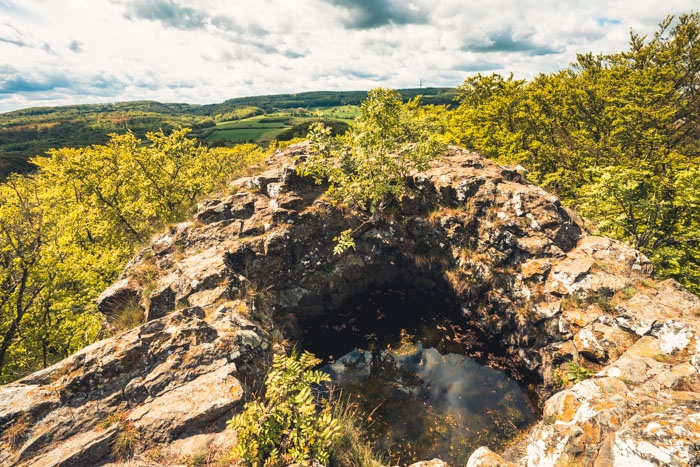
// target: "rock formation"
[[612, 353]]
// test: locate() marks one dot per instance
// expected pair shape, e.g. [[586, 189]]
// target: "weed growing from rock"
[[629, 292], [128, 318], [126, 441], [352, 448], [108, 421], [577, 373]]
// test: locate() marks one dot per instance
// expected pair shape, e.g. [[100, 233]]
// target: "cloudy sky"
[[55, 52]]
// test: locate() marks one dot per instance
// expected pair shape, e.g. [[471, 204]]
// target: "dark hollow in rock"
[[410, 358]]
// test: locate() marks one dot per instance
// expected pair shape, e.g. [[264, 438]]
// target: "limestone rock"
[[162, 298], [566, 273], [210, 211], [536, 268], [484, 457], [587, 345], [431, 463], [666, 438]]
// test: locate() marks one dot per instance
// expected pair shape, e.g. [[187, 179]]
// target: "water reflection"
[[426, 400], [427, 405]]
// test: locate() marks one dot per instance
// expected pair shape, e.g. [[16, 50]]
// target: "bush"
[[300, 130], [289, 424]]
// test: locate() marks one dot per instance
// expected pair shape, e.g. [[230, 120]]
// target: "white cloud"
[[204, 51]]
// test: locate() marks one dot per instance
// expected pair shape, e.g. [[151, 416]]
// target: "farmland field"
[[264, 128], [26, 133]]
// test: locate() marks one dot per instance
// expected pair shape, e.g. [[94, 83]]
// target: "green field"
[[264, 128], [30, 132], [345, 112]]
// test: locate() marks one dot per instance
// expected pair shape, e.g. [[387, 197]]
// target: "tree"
[[21, 237], [616, 136], [368, 167], [67, 230]]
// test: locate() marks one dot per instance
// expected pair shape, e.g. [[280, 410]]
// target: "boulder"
[[170, 377], [120, 295]]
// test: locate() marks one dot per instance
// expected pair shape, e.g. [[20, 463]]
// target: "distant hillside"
[[317, 99], [29, 132]]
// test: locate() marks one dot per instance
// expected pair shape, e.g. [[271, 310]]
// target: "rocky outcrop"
[[612, 353], [167, 379]]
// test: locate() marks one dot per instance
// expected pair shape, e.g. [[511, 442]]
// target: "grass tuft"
[[352, 448], [128, 318], [127, 440]]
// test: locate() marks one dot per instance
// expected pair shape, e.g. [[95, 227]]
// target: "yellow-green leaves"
[[344, 242], [616, 136], [367, 168], [289, 424], [67, 230]]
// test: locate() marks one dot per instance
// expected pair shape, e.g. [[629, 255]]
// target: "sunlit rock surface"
[[560, 303]]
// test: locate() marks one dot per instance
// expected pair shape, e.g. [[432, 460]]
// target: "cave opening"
[[427, 380]]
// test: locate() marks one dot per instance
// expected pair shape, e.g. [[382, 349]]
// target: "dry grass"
[[352, 448], [572, 302], [569, 460], [465, 286], [17, 431], [676, 358], [689, 384], [628, 292], [128, 318], [108, 421], [127, 440], [436, 216]]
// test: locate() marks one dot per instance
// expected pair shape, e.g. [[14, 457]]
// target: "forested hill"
[[29, 132], [317, 99]]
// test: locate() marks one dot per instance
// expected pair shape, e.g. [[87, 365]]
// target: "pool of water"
[[401, 355]]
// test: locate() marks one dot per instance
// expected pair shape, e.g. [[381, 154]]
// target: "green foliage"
[[368, 167], [321, 99], [239, 114], [629, 292], [30, 132], [577, 373], [300, 130], [344, 242], [67, 230], [288, 424], [616, 136], [45, 313]]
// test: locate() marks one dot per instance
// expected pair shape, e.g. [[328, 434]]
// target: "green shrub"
[[288, 424], [369, 166]]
